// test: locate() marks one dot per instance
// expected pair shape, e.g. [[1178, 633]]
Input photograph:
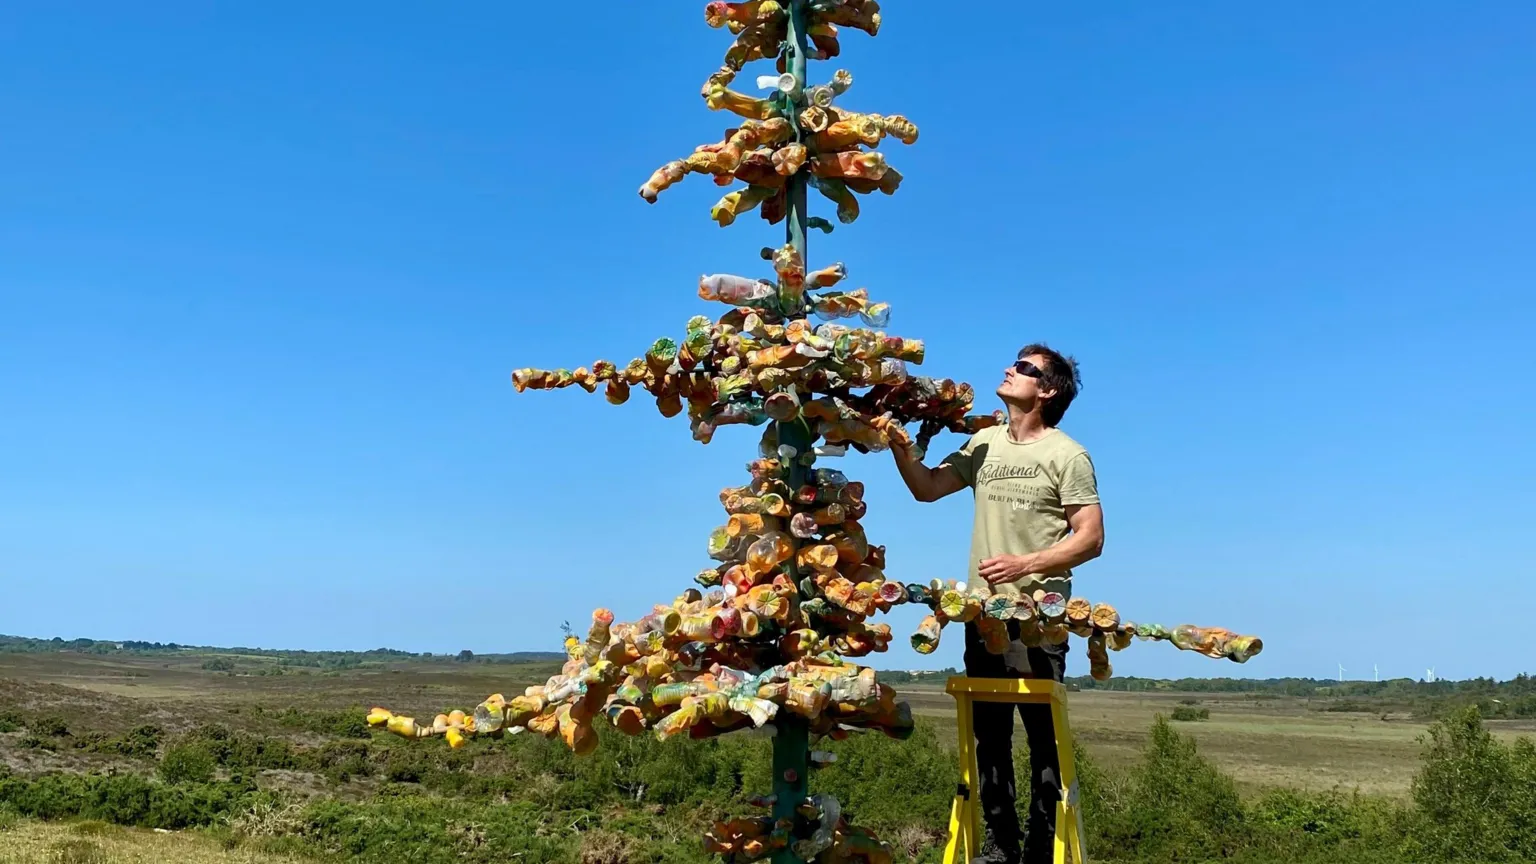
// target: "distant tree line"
[[312, 659]]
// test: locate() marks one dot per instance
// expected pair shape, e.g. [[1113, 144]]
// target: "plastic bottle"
[[800, 332], [878, 315], [748, 411], [723, 546], [807, 698], [597, 636], [664, 177], [829, 477], [1105, 617], [736, 290], [826, 277], [994, 635], [751, 524], [926, 639], [803, 526], [1098, 658], [1079, 612], [769, 551], [840, 304], [838, 192], [1051, 605], [783, 406], [821, 558]]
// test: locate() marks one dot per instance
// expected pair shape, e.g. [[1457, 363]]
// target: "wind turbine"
[[1429, 675], [1342, 670], [1376, 673]]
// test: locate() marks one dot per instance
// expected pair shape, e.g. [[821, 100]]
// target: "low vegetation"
[[642, 800], [260, 768]]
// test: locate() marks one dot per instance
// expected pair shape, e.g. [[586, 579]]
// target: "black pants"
[[994, 747]]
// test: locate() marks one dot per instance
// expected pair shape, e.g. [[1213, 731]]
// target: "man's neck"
[[1025, 426]]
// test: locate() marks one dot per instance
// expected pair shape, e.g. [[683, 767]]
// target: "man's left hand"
[[1006, 568]]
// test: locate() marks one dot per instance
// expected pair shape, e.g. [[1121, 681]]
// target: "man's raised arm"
[[927, 484]]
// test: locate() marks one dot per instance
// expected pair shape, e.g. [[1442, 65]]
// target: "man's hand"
[[1007, 568]]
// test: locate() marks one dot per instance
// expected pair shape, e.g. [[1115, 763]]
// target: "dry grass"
[[95, 843], [112, 694], [45, 681], [602, 846], [1263, 742]]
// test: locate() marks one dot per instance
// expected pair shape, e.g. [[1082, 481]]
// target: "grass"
[[265, 762], [1264, 742], [30, 842]]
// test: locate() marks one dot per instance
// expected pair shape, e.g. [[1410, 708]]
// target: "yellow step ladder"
[[965, 815]]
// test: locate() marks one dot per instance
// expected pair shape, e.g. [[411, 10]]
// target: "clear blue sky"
[[265, 270]]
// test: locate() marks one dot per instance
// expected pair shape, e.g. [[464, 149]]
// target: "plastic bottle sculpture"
[[767, 637]]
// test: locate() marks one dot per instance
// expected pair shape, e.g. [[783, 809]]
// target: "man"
[[1037, 517]]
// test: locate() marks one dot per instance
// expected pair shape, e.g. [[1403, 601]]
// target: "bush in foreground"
[[640, 800]]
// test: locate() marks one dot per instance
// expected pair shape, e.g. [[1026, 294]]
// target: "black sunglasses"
[[1024, 367]]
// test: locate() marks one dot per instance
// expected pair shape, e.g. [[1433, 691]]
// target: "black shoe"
[[992, 853]]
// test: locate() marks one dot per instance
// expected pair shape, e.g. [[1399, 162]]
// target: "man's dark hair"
[[1059, 374]]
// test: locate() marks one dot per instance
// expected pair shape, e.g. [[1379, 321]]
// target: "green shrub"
[[32, 742], [1300, 826], [251, 753], [1186, 714], [405, 766], [140, 742], [343, 760], [446, 832], [94, 828], [1476, 795], [1174, 806], [49, 725], [339, 724], [187, 762], [884, 784], [10, 721], [125, 799], [77, 851]]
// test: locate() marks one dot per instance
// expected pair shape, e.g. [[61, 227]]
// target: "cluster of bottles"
[[1046, 617], [734, 652], [767, 148], [832, 840], [761, 27], [651, 675], [757, 363]]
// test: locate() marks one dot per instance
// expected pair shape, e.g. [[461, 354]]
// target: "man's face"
[[1021, 381]]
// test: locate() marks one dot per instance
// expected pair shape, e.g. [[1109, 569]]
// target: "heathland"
[[146, 752]]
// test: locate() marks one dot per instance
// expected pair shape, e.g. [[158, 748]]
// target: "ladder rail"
[[965, 832]]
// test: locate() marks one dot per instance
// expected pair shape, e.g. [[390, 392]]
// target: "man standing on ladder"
[[1037, 517]]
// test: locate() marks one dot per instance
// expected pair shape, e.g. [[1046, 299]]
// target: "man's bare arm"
[[926, 484], [1085, 543]]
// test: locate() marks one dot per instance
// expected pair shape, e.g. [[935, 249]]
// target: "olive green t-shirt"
[[1022, 492]]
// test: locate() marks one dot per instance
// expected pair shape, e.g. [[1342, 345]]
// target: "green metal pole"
[[797, 181], [791, 742]]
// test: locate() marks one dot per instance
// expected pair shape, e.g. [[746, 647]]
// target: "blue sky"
[[265, 270]]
